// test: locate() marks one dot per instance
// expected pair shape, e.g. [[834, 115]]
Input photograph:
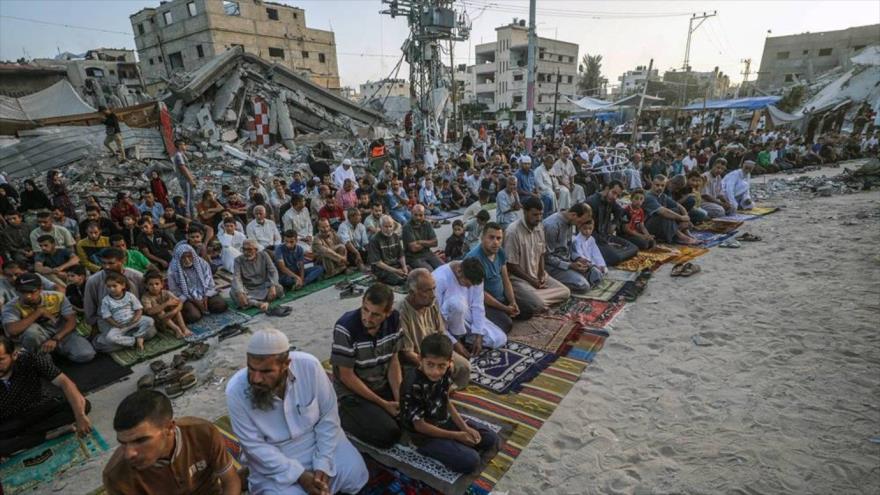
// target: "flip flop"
[[233, 331], [158, 365], [351, 292], [146, 381], [749, 237], [277, 311], [690, 269], [677, 270], [179, 359], [343, 285], [730, 243]]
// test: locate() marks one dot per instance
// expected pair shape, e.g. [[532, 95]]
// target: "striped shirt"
[[369, 355]]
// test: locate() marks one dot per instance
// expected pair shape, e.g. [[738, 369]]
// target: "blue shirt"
[[297, 187], [525, 181], [492, 283], [157, 210], [653, 203], [294, 259]]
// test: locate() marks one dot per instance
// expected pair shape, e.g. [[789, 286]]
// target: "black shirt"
[[159, 244], [111, 124], [606, 216], [422, 399], [24, 388], [75, 295]]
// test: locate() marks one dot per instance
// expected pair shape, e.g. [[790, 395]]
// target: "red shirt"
[[119, 211], [636, 218], [332, 213]]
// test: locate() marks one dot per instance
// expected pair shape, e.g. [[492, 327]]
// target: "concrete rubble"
[[857, 175]]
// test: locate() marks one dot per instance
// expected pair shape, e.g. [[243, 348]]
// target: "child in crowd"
[[76, 288], [585, 249], [123, 313], [290, 260], [163, 306], [455, 244], [474, 229], [130, 230], [434, 423], [180, 206], [634, 230]]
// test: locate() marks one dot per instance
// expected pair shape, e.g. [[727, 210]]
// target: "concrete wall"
[[287, 40], [787, 59]]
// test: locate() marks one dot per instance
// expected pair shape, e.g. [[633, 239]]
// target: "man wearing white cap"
[[736, 187], [343, 172], [431, 158], [283, 410], [564, 172]]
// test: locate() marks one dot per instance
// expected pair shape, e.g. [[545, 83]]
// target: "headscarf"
[[202, 270], [34, 199]]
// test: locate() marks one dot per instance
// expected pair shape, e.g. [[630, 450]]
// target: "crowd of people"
[[84, 278]]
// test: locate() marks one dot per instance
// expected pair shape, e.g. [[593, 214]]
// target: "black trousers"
[[368, 422], [30, 428], [663, 229], [640, 242], [616, 249]]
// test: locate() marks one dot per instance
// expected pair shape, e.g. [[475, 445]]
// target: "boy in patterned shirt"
[[434, 424]]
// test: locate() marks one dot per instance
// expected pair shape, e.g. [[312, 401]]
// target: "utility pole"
[[530, 88], [685, 67], [454, 85], [555, 101], [635, 132], [748, 63]]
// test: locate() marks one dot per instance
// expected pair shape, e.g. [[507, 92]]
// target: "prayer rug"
[[211, 324], [621, 275], [97, 373], [160, 344], [645, 260], [587, 345], [41, 464], [386, 481], [605, 290], [367, 281], [719, 226], [593, 314], [292, 295], [739, 216], [711, 239], [763, 210], [526, 410], [548, 334], [687, 253], [506, 368]]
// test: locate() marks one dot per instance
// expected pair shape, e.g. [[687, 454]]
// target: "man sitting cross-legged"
[[255, 279], [160, 454]]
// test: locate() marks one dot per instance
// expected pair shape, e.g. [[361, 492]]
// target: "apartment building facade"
[[801, 57], [182, 35], [501, 72]]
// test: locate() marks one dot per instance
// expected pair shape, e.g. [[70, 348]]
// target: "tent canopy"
[[752, 103], [594, 104]]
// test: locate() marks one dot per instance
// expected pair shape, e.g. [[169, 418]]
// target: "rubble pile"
[[865, 177]]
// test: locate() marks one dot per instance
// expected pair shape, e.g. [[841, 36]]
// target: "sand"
[[759, 375]]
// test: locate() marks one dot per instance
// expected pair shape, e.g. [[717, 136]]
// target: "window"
[[231, 8], [168, 18], [112, 72], [517, 77], [141, 29], [305, 54], [322, 59], [295, 15], [571, 60], [272, 14], [151, 61], [276, 52], [160, 58], [517, 100], [825, 52], [94, 72], [789, 78], [570, 78], [782, 55], [176, 60], [191, 8], [805, 52], [200, 51], [561, 58]]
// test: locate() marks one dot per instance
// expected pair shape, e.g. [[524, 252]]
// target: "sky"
[[625, 33]]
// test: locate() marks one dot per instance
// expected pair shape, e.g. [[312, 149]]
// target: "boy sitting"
[[585, 248], [455, 244], [634, 230], [163, 306], [433, 422]]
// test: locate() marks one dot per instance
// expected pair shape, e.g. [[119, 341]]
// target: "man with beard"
[[255, 278], [607, 215], [714, 201], [158, 454], [284, 412], [366, 368]]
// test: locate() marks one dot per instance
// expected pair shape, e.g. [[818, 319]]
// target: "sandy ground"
[[759, 375]]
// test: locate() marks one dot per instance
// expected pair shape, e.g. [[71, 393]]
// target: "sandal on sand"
[[158, 365], [351, 292], [690, 269], [232, 331], [730, 243], [179, 360], [279, 311], [749, 237], [343, 285], [183, 382], [146, 381], [195, 351], [677, 270]]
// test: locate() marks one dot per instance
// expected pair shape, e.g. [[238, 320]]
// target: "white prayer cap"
[[749, 162], [346, 162], [268, 342], [584, 155]]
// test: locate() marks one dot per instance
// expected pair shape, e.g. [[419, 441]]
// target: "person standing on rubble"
[[184, 176], [114, 133]]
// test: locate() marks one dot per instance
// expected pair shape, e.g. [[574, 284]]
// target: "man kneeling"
[[434, 424], [158, 454], [283, 410]]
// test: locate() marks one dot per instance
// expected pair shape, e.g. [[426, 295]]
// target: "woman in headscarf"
[[60, 196], [160, 190], [190, 279], [32, 198]]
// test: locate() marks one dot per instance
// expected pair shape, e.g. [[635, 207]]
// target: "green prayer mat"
[[41, 464], [293, 295], [603, 291], [160, 344]]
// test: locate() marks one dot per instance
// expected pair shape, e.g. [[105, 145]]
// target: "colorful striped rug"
[[588, 344], [592, 314], [545, 333], [645, 260]]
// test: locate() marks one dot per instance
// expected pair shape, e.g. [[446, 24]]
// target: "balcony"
[[485, 68], [484, 88]]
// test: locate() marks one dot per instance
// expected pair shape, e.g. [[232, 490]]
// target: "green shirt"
[[137, 261], [764, 158]]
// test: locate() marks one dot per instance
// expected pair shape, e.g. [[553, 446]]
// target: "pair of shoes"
[[279, 311], [748, 237], [350, 292], [194, 352], [183, 383], [685, 270], [232, 330], [731, 244]]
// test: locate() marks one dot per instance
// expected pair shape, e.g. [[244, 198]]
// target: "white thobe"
[[301, 222], [736, 189], [301, 432], [340, 174], [231, 248], [463, 309], [266, 234]]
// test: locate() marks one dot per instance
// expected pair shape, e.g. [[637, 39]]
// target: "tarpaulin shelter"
[[750, 103], [58, 100], [594, 104]]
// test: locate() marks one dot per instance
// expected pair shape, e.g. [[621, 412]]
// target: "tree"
[[590, 79]]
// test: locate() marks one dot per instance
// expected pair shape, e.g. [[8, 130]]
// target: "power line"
[[555, 12], [69, 26]]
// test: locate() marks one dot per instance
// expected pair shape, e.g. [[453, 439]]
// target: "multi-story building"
[[182, 35], [683, 86], [103, 76], [632, 81], [383, 87], [802, 57], [501, 72]]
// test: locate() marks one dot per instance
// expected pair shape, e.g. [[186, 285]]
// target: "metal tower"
[[431, 24]]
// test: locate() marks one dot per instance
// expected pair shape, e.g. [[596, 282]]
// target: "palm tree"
[[590, 70]]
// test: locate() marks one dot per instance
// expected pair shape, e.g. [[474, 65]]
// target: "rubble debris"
[[865, 177]]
